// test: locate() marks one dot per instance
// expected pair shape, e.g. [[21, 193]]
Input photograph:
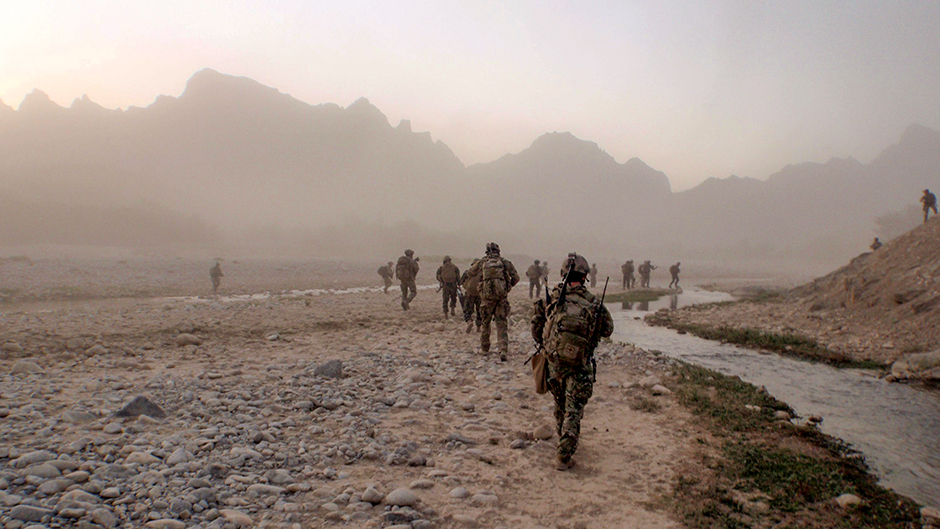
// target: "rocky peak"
[[37, 102]]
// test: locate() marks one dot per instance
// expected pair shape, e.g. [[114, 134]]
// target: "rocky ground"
[[315, 411]]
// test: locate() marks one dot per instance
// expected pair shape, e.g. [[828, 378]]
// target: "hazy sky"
[[695, 89]]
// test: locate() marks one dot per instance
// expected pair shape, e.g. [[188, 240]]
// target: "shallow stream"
[[896, 427]]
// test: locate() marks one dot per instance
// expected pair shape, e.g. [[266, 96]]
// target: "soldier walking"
[[568, 331], [545, 273], [629, 280], [644, 271], [534, 273], [471, 287], [593, 275], [498, 276], [929, 200], [674, 271], [406, 270], [875, 244], [387, 273], [448, 275], [215, 275]]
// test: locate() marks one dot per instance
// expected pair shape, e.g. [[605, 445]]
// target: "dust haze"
[[231, 167]]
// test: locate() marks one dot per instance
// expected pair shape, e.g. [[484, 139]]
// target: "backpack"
[[494, 285], [569, 334]]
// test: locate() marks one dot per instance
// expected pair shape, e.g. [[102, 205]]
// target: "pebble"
[[236, 517], [543, 432]]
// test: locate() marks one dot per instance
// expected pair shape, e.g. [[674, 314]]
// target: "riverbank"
[[418, 429]]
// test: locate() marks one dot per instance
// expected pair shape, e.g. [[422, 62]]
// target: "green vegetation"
[[770, 473], [787, 343], [636, 296]]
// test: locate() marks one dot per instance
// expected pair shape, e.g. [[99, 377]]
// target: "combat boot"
[[563, 463], [470, 327]]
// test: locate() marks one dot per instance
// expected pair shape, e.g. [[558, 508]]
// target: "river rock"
[[12, 347], [260, 489], [141, 405], [96, 350], [44, 470], [920, 366], [401, 497], [29, 513], [847, 500], [165, 523], [31, 458], [659, 389], [141, 458], [26, 367], [331, 369], [78, 417], [372, 496], [236, 517], [103, 517], [543, 432], [180, 455], [184, 339]]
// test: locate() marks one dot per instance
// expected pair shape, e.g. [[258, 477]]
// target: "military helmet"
[[492, 247], [536, 261], [578, 265], [409, 252], [447, 259]]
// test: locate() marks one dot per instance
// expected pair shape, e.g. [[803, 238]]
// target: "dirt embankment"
[[881, 306]]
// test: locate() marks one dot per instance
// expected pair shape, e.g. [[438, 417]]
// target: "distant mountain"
[[808, 208], [250, 160]]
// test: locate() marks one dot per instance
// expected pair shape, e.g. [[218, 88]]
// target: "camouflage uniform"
[[534, 273], [674, 272], [629, 280], [929, 200], [571, 385], [215, 275], [406, 270], [448, 275], [472, 301], [495, 307], [387, 274]]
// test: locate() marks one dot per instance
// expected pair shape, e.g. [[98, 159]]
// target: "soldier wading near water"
[[215, 275], [567, 330], [448, 275], [406, 270], [497, 277], [387, 272], [629, 280]]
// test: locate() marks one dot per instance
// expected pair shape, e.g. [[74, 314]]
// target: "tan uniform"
[[448, 275], [534, 273], [494, 292], [406, 270]]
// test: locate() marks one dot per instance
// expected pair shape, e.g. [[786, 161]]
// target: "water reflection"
[[894, 425]]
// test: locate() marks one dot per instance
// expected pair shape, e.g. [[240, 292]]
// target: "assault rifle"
[[596, 329]]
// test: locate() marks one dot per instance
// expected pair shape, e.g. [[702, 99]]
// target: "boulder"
[[924, 367], [331, 369]]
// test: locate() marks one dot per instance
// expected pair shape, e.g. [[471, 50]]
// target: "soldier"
[[448, 275], [674, 271], [593, 275], [534, 273], [471, 287], [498, 276], [215, 275], [629, 280], [545, 274], [568, 331], [387, 273], [644, 271], [875, 244], [406, 270], [929, 200]]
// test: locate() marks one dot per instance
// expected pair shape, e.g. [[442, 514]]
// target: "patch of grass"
[[788, 344], [636, 296], [768, 475], [645, 404]]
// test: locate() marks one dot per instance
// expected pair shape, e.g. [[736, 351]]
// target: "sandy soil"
[[417, 408]]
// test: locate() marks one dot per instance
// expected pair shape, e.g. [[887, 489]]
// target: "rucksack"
[[570, 329], [493, 285]]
